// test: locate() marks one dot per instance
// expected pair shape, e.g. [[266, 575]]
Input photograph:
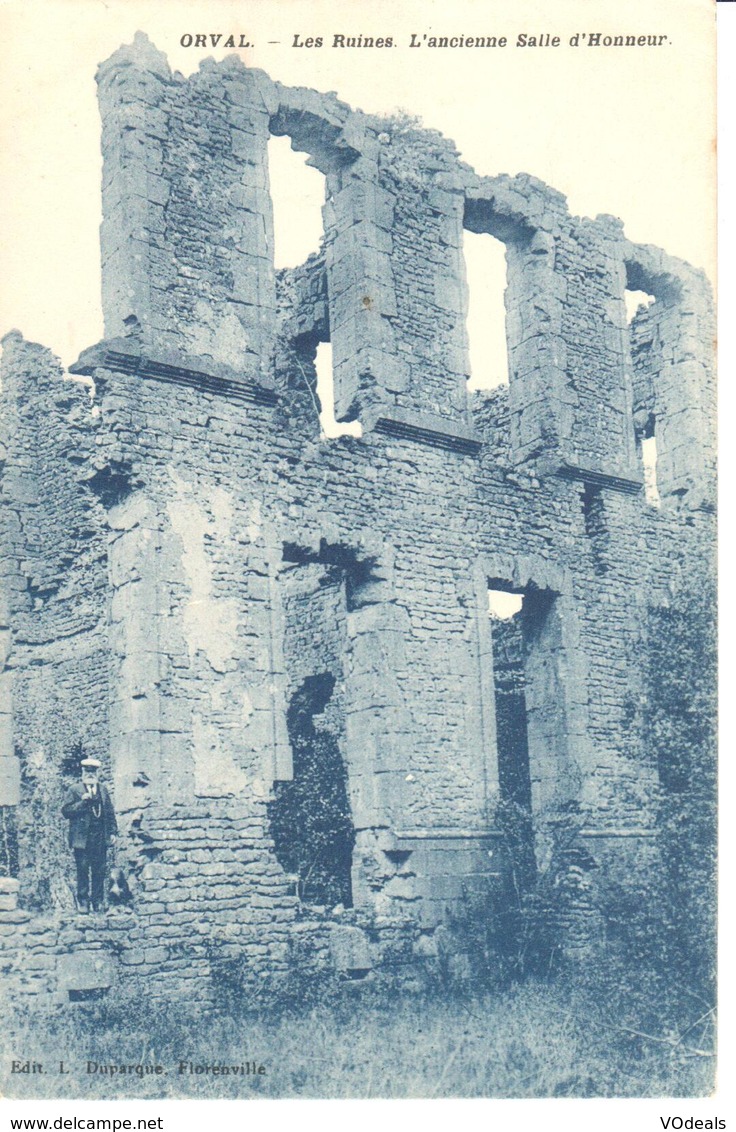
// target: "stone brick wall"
[[183, 549]]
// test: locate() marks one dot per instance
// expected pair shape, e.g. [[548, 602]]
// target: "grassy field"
[[535, 1040]]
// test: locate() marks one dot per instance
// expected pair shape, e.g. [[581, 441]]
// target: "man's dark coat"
[[78, 812]]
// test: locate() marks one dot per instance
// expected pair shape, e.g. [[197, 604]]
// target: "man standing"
[[92, 828]]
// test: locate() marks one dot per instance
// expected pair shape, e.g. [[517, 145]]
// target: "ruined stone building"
[[279, 644]]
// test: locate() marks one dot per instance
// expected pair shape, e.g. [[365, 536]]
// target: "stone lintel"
[[631, 831], [596, 479], [436, 431], [126, 356], [448, 835]]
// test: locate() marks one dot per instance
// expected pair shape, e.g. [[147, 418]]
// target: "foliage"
[[680, 728], [310, 815], [41, 845], [538, 1040]]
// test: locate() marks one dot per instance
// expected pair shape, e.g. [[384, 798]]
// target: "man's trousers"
[[91, 868]]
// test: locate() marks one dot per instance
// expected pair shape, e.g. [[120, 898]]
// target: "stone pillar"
[[595, 390], [686, 436], [377, 724], [538, 407], [525, 215], [396, 282], [485, 722], [361, 295], [136, 747], [9, 764], [269, 696], [675, 380], [132, 88], [187, 235], [555, 774], [378, 728]]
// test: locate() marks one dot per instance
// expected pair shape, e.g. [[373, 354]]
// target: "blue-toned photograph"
[[357, 573]]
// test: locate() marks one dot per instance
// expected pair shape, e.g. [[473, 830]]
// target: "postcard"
[[358, 550]]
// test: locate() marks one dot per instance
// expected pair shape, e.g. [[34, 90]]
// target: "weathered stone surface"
[[85, 970], [250, 625], [350, 949]]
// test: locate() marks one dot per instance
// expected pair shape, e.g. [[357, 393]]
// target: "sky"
[[622, 131]]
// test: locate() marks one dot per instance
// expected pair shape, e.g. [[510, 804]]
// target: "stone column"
[[187, 235], [675, 337], [485, 722], [378, 726], [367, 369], [136, 748], [9, 764]]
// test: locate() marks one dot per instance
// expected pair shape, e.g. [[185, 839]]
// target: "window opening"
[[8, 842], [638, 304], [634, 300], [310, 815], [298, 192], [596, 528], [649, 462], [297, 195], [510, 614], [485, 268], [326, 395], [503, 605]]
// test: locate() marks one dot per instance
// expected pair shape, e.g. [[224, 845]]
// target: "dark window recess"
[[92, 995], [310, 816], [594, 515], [8, 842], [508, 636]]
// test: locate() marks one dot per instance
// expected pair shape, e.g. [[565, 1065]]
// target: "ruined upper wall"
[[188, 276]]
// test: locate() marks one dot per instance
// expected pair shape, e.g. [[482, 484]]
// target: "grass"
[[534, 1040]]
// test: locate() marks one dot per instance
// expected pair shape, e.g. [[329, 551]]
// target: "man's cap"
[[91, 764]]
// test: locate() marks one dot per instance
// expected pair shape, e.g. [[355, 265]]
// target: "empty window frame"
[[506, 611], [485, 267], [298, 192]]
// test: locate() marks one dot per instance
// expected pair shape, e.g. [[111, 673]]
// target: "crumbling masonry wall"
[[184, 555]]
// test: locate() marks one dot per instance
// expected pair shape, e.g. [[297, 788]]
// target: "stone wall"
[[184, 552]]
